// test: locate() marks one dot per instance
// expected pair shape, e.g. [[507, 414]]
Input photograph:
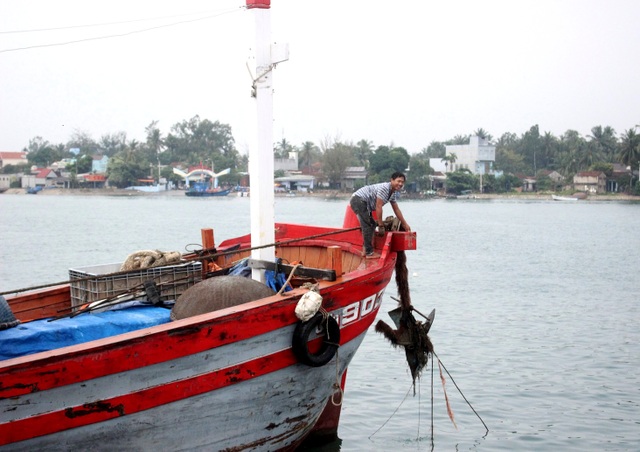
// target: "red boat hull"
[[223, 380]]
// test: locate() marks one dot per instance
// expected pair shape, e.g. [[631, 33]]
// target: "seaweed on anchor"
[[410, 333]]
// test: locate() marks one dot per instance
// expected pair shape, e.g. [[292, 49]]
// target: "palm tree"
[[571, 145], [480, 132], [604, 141], [363, 151], [307, 152], [629, 153], [283, 148], [155, 142], [549, 150], [460, 139], [590, 155], [449, 159]]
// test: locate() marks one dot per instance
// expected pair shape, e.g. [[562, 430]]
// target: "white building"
[[478, 156]]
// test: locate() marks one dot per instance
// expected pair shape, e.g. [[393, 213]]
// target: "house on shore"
[[353, 177], [479, 156], [593, 182], [13, 158]]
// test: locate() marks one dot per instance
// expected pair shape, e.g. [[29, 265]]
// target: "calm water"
[[538, 309]]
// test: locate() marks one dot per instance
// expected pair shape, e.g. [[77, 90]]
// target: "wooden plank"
[[41, 304], [335, 259]]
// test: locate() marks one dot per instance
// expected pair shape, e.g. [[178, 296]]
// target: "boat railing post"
[[208, 243], [207, 238], [335, 259]]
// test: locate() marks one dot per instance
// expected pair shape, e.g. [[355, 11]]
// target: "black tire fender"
[[330, 343]]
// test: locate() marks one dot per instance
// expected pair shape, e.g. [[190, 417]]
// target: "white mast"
[[261, 153]]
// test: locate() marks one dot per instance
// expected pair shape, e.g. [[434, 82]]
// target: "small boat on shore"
[[466, 194], [563, 198]]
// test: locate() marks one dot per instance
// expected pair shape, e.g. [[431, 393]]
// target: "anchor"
[[411, 334]]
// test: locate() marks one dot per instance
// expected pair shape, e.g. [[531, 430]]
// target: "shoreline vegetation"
[[326, 194]]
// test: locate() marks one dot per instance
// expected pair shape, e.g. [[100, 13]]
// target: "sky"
[[402, 72]]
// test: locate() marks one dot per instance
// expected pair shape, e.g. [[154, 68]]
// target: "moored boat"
[[243, 374], [226, 379], [204, 189], [563, 198]]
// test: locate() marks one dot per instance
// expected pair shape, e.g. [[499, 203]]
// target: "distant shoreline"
[[325, 194]]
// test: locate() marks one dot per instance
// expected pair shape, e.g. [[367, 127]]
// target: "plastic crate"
[[172, 281]]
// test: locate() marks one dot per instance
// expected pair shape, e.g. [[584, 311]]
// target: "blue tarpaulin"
[[272, 279], [43, 335]]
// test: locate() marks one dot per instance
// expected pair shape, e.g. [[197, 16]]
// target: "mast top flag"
[[262, 4]]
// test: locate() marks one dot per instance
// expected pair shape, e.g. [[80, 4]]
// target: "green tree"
[[449, 160], [435, 150], [127, 166], [530, 147], [480, 132], [629, 153], [629, 150], [111, 144], [459, 181], [459, 139], [335, 160], [83, 141], [282, 149], [509, 161], [507, 140], [41, 153], [386, 160], [84, 163], [603, 167], [198, 141], [363, 151], [570, 147], [603, 141], [548, 151], [154, 145], [544, 182], [418, 175], [309, 153]]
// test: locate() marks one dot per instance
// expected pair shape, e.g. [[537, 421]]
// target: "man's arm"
[[379, 219], [398, 212]]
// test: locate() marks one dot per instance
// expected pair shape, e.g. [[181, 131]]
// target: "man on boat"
[[371, 198]]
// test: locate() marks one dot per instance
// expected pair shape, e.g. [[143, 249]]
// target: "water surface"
[[537, 309]]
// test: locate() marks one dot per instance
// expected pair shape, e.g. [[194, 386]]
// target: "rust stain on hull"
[[91, 408]]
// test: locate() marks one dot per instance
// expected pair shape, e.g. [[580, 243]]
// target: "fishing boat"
[[563, 198], [204, 189], [228, 371], [246, 377]]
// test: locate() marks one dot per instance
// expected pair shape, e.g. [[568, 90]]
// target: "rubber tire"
[[329, 347]]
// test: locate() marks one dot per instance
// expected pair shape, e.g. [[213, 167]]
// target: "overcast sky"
[[392, 72]]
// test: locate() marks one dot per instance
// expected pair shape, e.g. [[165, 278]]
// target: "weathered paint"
[[223, 380]]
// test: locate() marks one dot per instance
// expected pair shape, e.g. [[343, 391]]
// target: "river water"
[[537, 310]]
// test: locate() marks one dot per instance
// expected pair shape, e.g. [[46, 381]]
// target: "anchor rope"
[[337, 386], [461, 393], [194, 259], [286, 283], [394, 412]]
